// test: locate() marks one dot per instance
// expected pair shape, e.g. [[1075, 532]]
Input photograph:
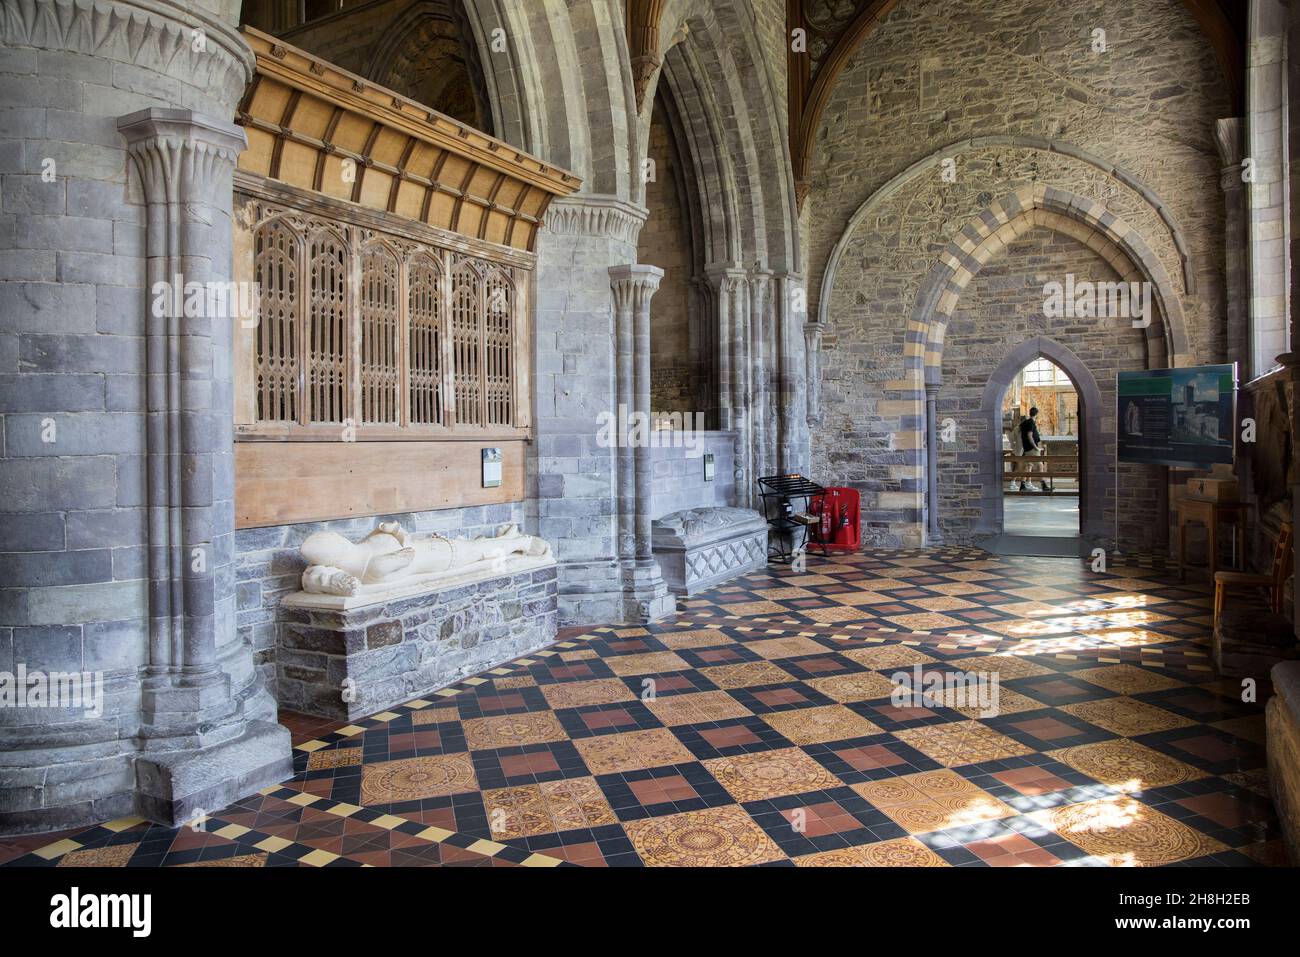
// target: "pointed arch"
[[1096, 481]]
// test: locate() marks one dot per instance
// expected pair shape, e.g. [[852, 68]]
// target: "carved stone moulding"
[[177, 40], [606, 217]]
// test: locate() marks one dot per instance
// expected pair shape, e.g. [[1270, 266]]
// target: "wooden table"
[[1210, 514]]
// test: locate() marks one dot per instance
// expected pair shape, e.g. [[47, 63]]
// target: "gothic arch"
[[1095, 480]]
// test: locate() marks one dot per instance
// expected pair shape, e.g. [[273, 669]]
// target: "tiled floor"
[[756, 727]]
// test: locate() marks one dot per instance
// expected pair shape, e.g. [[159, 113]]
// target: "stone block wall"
[[268, 567], [666, 242], [1003, 307], [1017, 99], [73, 307], [679, 475]]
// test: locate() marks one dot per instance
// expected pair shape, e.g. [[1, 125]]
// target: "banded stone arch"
[[1010, 217], [929, 164]]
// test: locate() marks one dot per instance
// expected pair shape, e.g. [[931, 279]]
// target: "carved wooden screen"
[[369, 334]]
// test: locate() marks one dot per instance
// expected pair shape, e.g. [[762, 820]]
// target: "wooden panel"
[[317, 116], [282, 483]]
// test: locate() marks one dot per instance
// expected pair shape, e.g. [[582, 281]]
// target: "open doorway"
[[1041, 439]]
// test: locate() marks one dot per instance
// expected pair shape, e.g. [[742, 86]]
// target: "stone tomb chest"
[[702, 547], [349, 657]]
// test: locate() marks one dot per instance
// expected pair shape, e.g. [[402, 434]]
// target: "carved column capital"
[[181, 41], [182, 156], [634, 286]]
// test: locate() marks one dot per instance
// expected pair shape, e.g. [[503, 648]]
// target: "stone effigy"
[[391, 559], [396, 615]]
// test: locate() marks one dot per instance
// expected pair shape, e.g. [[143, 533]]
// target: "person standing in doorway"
[[1031, 443]]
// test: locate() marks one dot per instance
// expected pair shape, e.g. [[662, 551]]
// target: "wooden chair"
[[1274, 581]]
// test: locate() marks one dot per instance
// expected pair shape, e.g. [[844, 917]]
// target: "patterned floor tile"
[[632, 751], [546, 808], [820, 725], [1126, 765], [900, 852], [748, 674], [865, 686], [716, 837], [933, 801], [704, 707], [578, 694], [1114, 742], [1126, 716], [961, 742], [414, 779], [1123, 832], [770, 774], [513, 730]]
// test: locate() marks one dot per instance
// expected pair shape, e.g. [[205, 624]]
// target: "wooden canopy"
[[317, 127]]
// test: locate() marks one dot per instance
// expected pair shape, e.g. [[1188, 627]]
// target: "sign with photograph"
[[1177, 417], [491, 468]]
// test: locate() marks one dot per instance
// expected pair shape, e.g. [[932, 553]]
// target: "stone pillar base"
[[175, 787], [614, 593]]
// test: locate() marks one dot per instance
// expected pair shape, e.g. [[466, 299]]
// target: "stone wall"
[[666, 242], [1003, 307], [679, 475], [1018, 98], [350, 664]]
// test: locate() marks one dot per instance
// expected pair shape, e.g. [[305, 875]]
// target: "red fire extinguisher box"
[[839, 513]]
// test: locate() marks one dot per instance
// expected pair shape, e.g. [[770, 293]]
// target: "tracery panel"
[[381, 347], [326, 358], [380, 333], [467, 343], [277, 252], [426, 340]]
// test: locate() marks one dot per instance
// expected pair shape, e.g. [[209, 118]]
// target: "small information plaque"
[[492, 468], [709, 467]]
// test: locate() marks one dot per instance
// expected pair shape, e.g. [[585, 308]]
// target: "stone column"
[[191, 721], [934, 534], [633, 288], [791, 358], [812, 338], [576, 387], [760, 329], [1229, 137], [1266, 198], [727, 281], [124, 518]]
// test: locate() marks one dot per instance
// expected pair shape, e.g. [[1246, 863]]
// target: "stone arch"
[[406, 42], [534, 84], [1001, 223], [1095, 480], [716, 73], [931, 162]]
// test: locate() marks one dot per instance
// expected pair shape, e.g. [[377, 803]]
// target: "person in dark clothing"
[[1030, 443]]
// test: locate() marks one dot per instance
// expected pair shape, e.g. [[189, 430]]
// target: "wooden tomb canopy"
[[315, 126]]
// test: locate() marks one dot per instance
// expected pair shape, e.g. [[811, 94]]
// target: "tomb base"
[[349, 658]]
